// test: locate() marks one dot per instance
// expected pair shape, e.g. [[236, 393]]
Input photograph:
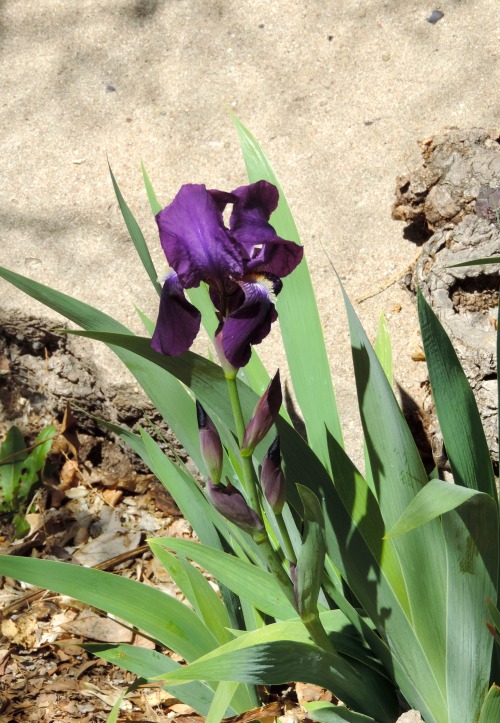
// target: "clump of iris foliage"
[[381, 587]]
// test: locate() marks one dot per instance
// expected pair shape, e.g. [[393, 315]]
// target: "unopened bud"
[[232, 505], [210, 444], [272, 478], [264, 416]]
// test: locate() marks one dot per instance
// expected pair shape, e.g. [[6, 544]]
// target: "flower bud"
[[232, 505], [272, 478], [210, 444], [263, 417]]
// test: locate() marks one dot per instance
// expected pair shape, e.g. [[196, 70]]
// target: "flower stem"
[[285, 538], [276, 568], [317, 632], [270, 555], [234, 398], [249, 478]]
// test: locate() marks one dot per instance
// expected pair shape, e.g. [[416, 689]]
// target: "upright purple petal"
[[250, 323], [195, 241], [178, 321], [249, 224]]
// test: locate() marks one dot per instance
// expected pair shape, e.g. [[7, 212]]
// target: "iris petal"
[[250, 323], [277, 257], [195, 241], [178, 321], [249, 224]]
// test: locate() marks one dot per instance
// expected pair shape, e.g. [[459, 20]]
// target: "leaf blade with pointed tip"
[[433, 500], [297, 309], [150, 664], [159, 615], [137, 236], [456, 407]]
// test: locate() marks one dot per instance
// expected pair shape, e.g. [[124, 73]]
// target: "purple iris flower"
[[242, 265]]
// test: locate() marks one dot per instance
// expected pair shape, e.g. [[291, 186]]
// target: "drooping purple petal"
[[178, 321], [230, 372], [250, 323], [195, 241]]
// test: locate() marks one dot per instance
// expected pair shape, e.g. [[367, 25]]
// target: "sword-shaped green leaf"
[[433, 500], [159, 615], [456, 408], [298, 312], [248, 581], [329, 713], [136, 236]]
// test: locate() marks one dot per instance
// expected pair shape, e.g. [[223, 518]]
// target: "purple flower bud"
[[272, 478], [263, 417], [232, 505], [210, 444]]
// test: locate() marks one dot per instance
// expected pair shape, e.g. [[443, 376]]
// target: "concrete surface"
[[337, 92]]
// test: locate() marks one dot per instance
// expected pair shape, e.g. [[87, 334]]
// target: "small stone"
[[416, 349], [411, 716], [435, 17]]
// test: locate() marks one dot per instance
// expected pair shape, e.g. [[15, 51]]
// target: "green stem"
[[317, 631], [251, 490], [285, 538], [250, 484], [249, 477], [276, 568], [234, 398]]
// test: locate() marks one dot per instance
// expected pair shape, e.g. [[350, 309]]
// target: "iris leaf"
[[433, 500], [149, 664], [159, 615], [284, 660], [456, 408], [328, 713], [297, 308], [136, 236], [255, 585]]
